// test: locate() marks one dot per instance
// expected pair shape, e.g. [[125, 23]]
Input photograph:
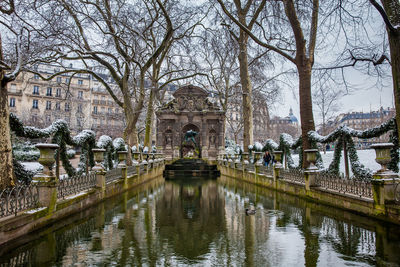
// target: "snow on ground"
[[32, 166], [366, 157]]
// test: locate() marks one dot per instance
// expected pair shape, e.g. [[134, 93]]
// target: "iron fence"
[[266, 170], [131, 170], [250, 167], [361, 188], [18, 198], [23, 258], [113, 175], [75, 184], [293, 175]]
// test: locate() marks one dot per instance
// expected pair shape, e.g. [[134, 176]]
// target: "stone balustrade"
[[379, 197], [46, 189]]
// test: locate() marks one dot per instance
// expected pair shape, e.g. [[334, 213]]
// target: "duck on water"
[[250, 212]]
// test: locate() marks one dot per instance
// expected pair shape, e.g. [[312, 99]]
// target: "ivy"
[[106, 143], [342, 135], [61, 135]]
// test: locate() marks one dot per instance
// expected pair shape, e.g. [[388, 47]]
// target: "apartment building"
[[78, 99]]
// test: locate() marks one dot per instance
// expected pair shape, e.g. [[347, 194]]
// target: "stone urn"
[[311, 157], [383, 158], [122, 158], [98, 158], [136, 156], [278, 158], [145, 157], [258, 158], [245, 157], [47, 159]]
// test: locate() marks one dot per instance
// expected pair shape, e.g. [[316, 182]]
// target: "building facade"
[[363, 121], [78, 99]]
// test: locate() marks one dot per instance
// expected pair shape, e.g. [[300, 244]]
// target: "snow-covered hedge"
[[71, 153], [106, 143], [342, 135], [61, 135]]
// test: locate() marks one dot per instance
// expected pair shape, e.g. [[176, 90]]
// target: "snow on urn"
[[47, 157], [122, 158], [382, 151], [278, 157], [311, 156], [98, 158]]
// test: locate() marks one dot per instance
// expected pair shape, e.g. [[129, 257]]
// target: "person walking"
[[267, 158]]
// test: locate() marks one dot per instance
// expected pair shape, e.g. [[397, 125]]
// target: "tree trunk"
[[149, 120], [246, 92], [6, 167], [392, 9], [306, 113]]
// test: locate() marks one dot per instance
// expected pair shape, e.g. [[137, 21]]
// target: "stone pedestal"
[[310, 178], [46, 181], [383, 189]]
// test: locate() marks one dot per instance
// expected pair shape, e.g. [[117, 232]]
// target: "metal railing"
[[131, 170], [345, 186], [18, 198], [293, 175], [75, 184], [113, 175], [266, 170]]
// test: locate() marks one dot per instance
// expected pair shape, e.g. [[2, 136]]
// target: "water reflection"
[[203, 222]]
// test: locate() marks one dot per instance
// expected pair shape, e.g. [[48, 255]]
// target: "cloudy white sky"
[[367, 96]]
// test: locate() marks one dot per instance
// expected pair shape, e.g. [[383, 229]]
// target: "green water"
[[203, 223]]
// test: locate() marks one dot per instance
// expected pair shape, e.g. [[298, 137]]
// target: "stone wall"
[[13, 227], [360, 205]]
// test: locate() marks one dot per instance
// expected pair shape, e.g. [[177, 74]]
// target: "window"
[[58, 79], [12, 102], [95, 109], [103, 110], [35, 90], [58, 92], [58, 105], [13, 88], [49, 90], [80, 82], [94, 123], [67, 80], [80, 94], [48, 105], [79, 107], [36, 76], [109, 110], [35, 103], [66, 106]]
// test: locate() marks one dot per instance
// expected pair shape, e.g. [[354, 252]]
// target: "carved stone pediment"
[[190, 98]]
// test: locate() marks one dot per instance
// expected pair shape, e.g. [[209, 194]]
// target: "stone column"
[[310, 174], [384, 181], [122, 165], [277, 167], [99, 170], [46, 181]]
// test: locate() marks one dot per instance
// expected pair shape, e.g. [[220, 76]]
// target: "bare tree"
[[390, 13], [276, 39], [242, 12], [8, 73], [326, 100], [170, 66], [108, 37]]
